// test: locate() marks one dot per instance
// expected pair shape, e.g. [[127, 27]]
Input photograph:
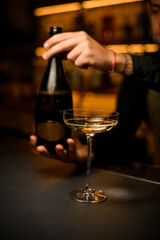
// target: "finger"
[[71, 146], [61, 37], [42, 149], [61, 152], [74, 53], [63, 46], [83, 61], [33, 139], [79, 57], [56, 39]]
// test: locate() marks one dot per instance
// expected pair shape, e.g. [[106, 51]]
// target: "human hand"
[[77, 152], [82, 50]]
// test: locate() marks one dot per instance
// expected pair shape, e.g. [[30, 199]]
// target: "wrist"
[[108, 61], [120, 63], [124, 64]]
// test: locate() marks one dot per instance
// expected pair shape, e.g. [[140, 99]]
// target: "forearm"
[[143, 68]]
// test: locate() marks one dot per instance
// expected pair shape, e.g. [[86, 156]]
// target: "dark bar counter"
[[34, 201]]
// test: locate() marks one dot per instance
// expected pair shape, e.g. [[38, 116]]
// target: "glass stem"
[[89, 143]]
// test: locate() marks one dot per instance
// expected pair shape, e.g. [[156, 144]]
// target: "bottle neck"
[[56, 68], [57, 58], [54, 78]]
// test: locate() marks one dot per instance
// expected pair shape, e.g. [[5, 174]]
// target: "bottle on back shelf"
[[54, 96]]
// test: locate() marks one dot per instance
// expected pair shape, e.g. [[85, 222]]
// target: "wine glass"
[[90, 123]]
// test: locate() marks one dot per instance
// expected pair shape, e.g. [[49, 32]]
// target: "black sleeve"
[[147, 69]]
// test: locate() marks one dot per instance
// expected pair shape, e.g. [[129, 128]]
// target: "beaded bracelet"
[[125, 65]]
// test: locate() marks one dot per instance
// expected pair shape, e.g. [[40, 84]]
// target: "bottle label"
[[51, 130]]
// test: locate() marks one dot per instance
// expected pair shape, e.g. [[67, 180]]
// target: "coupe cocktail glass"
[[90, 123]]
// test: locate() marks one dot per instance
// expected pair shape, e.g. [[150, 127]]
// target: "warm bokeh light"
[[134, 48], [151, 47], [39, 51], [62, 8], [95, 4], [123, 48], [76, 6], [106, 102]]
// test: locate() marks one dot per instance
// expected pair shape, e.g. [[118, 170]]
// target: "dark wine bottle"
[[54, 96]]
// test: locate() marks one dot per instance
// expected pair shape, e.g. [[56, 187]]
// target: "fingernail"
[[46, 45], [44, 56]]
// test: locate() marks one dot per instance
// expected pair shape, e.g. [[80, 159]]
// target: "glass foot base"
[[92, 196]]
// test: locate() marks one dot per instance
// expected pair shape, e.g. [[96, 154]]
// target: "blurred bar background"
[[118, 24]]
